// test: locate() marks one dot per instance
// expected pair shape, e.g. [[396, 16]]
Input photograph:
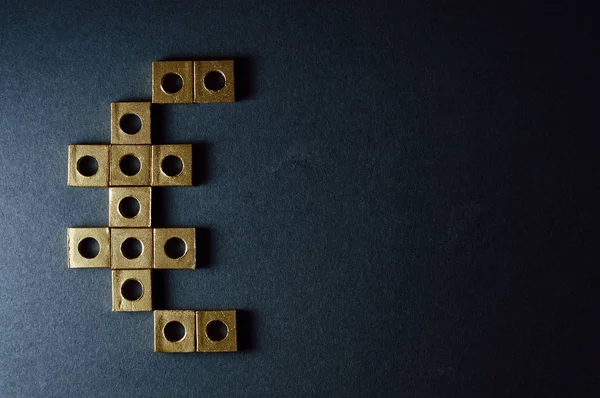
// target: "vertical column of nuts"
[[129, 167]]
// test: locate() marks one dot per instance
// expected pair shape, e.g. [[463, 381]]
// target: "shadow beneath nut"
[[246, 330], [160, 296], [159, 207], [200, 163], [204, 247]]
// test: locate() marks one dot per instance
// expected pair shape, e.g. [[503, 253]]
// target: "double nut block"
[[195, 331], [187, 82]]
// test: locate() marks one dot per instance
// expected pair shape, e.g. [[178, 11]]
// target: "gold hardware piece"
[[130, 123], [130, 165], [88, 247], [131, 248], [173, 82], [129, 207], [216, 331], [131, 290], [174, 331], [88, 166], [172, 165], [214, 81], [175, 248]]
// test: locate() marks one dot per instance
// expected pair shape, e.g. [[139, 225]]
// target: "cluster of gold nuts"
[[129, 167]]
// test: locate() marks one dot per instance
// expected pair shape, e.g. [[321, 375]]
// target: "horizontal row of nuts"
[[195, 331], [187, 82], [132, 248], [130, 165]]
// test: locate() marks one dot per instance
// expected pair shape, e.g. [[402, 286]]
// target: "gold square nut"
[[88, 247], [130, 123], [130, 165], [88, 166], [132, 290], [174, 331], [173, 82], [214, 81], [172, 165], [122, 206], [131, 248], [216, 331], [175, 248]]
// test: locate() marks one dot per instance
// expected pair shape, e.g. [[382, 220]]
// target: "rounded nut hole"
[[89, 248], [132, 290], [132, 248], [130, 165], [130, 123], [87, 166], [214, 81], [174, 331], [175, 248], [129, 207], [172, 165], [171, 83], [216, 331]]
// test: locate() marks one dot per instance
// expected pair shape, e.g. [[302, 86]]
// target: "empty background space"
[[400, 202]]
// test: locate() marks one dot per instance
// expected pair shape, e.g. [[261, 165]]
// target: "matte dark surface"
[[394, 202]]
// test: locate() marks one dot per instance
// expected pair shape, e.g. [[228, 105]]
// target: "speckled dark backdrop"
[[395, 202]]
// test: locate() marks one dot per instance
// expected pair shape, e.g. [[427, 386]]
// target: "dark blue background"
[[395, 201]]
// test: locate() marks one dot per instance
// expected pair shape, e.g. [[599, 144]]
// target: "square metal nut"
[[175, 331], [173, 82], [88, 247], [172, 165], [130, 165], [132, 290], [175, 248], [88, 166], [216, 331], [131, 248], [129, 207], [214, 81], [130, 123]]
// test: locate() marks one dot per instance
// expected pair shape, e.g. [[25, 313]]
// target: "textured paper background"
[[392, 203]]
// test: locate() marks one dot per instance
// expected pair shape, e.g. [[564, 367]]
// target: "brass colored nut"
[[175, 248], [123, 204], [130, 165], [173, 82], [131, 290], [130, 123], [88, 247], [175, 331], [131, 248], [216, 331], [172, 165], [214, 81], [88, 166]]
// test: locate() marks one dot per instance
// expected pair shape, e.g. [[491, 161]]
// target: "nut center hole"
[[175, 248], [132, 290], [172, 165], [130, 123], [216, 331], [129, 207], [171, 83], [130, 165], [132, 248], [88, 248], [174, 331], [87, 166], [214, 81]]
